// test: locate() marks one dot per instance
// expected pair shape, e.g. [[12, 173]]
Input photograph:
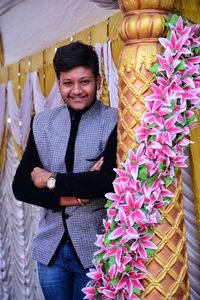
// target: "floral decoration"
[[141, 187]]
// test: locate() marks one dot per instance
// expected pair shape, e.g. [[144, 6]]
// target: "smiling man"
[[66, 169]]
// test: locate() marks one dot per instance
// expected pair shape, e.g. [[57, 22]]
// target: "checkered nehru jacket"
[[51, 131]]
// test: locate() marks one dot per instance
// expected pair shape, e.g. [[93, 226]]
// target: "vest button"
[[66, 216]]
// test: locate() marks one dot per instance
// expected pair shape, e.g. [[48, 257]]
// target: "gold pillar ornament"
[[143, 24]]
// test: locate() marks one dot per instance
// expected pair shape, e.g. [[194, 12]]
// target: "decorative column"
[[141, 27]]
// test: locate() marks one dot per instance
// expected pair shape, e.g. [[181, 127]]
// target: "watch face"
[[51, 183]]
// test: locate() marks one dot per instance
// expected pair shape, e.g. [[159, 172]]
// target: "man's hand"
[[67, 201], [39, 177], [97, 165]]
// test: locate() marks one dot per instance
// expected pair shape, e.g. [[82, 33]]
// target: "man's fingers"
[[97, 165]]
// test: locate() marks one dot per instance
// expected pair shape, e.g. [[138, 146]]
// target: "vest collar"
[[85, 112]]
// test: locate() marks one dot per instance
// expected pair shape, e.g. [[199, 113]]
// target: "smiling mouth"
[[78, 99]]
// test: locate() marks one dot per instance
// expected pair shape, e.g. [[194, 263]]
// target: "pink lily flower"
[[90, 292], [132, 280], [167, 62], [190, 95], [167, 131], [192, 61], [171, 88], [122, 230], [144, 133], [132, 209], [155, 112], [108, 293], [136, 159], [138, 263], [175, 45], [141, 244]]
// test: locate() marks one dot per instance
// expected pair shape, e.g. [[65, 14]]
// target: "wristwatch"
[[51, 182]]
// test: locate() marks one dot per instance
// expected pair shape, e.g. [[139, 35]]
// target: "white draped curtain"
[[18, 276]]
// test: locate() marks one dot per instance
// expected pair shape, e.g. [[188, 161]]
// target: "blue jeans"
[[64, 279]]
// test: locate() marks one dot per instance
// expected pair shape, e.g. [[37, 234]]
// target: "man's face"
[[78, 87]]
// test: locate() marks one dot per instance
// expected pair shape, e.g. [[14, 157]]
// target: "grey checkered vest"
[[51, 131]]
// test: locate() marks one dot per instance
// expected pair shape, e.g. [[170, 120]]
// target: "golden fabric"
[[25, 66], [83, 36], [36, 61], [117, 44], [48, 56], [42, 80], [105, 92], [49, 79], [99, 33]]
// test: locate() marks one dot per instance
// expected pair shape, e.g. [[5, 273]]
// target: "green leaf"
[[181, 66], [115, 280], [168, 180], [151, 138], [178, 138], [127, 268], [167, 199], [142, 174], [128, 247], [99, 257], [150, 252], [145, 209], [168, 116], [106, 240], [108, 203], [112, 225], [197, 50], [136, 291], [151, 125], [191, 120], [106, 267], [176, 170], [174, 20], [149, 232], [154, 68], [161, 166], [168, 34], [151, 180], [136, 226], [112, 260]]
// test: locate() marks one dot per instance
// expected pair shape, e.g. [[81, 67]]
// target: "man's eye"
[[84, 82], [67, 83]]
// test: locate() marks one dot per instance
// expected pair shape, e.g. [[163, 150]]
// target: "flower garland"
[[141, 186]]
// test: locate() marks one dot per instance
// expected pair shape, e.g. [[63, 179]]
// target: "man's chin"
[[78, 107]]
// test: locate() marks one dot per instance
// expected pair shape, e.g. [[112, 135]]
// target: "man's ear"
[[98, 81]]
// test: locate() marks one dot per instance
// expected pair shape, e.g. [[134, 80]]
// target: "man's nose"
[[76, 89]]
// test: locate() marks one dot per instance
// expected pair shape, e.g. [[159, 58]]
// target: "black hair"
[[74, 55]]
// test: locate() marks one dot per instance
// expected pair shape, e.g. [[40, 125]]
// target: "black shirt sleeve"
[[24, 188], [93, 184]]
